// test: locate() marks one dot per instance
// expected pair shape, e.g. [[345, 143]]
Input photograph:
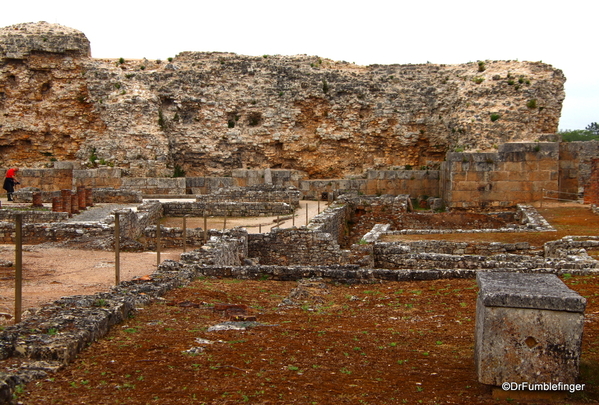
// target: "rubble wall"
[[294, 246], [230, 209]]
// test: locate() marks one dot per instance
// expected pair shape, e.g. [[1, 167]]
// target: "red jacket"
[[10, 174]]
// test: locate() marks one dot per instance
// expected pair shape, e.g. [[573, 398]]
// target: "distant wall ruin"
[[208, 114], [515, 173]]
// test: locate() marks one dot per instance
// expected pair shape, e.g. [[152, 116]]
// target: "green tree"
[[593, 127]]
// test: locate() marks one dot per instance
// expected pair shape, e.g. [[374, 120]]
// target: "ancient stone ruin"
[[224, 135], [210, 113]]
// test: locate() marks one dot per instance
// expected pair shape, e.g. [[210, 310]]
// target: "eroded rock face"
[[209, 113], [44, 100]]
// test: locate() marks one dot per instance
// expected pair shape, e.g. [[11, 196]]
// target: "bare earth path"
[[50, 273]]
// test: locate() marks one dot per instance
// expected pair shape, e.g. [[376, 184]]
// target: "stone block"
[[528, 329]]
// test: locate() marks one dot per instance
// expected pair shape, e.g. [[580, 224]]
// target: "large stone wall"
[[211, 113], [516, 173]]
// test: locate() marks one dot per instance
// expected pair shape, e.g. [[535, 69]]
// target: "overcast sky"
[[368, 32]]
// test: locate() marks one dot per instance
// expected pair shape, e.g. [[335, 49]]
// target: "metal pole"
[[259, 228], [18, 266], [225, 222], [184, 233], [117, 248], [158, 243], [293, 218], [319, 206]]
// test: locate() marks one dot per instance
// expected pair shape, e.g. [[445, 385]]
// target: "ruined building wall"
[[516, 173], [211, 113], [576, 168]]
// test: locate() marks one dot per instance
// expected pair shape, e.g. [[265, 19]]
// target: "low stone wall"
[[55, 232], [132, 226], [102, 177], [376, 182], [230, 209], [133, 223], [155, 185], [278, 177], [262, 193], [224, 248], [207, 185], [529, 218], [33, 216], [452, 248], [333, 221], [574, 247], [294, 246], [171, 237], [117, 196], [99, 195], [399, 259]]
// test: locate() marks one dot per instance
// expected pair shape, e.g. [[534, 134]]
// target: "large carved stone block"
[[528, 329]]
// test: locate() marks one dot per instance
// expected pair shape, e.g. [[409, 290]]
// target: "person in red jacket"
[[10, 182]]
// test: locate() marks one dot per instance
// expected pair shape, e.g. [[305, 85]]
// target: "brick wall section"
[[591, 195]]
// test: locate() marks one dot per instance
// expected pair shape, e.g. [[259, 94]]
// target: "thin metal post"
[[158, 243], [117, 248], [18, 267], [319, 206], [225, 222], [293, 218], [259, 228], [184, 233]]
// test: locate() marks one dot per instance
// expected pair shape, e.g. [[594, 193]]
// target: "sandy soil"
[[50, 273]]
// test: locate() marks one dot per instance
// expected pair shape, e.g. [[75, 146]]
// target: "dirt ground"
[[386, 343], [50, 272]]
